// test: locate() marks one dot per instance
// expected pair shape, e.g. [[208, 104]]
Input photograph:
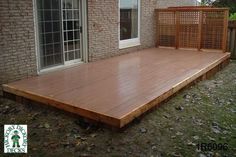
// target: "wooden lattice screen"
[[193, 27]]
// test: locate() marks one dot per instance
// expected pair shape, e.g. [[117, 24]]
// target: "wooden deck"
[[117, 90]]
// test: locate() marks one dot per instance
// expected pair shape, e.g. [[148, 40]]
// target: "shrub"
[[232, 16]]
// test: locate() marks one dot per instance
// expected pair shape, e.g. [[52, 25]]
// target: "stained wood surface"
[[117, 90]]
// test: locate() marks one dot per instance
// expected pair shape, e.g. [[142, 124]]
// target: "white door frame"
[[84, 43]]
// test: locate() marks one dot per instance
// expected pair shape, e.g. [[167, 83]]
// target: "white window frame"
[[134, 41]]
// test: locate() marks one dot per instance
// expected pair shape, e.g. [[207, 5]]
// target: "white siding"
[[173, 3]]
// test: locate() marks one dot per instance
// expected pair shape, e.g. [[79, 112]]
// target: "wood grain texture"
[[117, 90]]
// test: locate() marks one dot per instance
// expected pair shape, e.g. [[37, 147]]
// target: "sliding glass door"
[[59, 32]]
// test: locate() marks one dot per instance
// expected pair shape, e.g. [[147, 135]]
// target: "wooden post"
[[177, 16], [225, 30], [234, 50], [200, 30], [157, 29]]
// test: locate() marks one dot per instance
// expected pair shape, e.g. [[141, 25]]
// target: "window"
[[129, 23]]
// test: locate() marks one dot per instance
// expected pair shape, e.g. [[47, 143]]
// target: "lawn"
[[199, 121]]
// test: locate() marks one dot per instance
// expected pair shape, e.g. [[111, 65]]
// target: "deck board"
[[116, 90]]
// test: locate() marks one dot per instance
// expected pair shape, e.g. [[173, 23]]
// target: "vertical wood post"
[[228, 39], [177, 24], [200, 30], [225, 30], [234, 50], [157, 29], [233, 43]]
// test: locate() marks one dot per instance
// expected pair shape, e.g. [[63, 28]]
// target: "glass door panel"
[[50, 38], [71, 30]]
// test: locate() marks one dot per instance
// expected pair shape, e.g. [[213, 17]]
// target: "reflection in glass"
[[49, 33], [71, 30], [128, 19]]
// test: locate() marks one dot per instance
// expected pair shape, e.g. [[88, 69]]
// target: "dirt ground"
[[202, 114]]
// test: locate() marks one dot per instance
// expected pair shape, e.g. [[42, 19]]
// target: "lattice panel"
[[192, 27], [212, 29], [188, 29], [166, 29]]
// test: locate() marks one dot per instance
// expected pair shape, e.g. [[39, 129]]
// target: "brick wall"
[[17, 47], [103, 26], [103, 18]]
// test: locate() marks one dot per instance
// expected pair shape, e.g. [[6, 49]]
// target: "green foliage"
[[232, 16], [206, 2], [231, 4]]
